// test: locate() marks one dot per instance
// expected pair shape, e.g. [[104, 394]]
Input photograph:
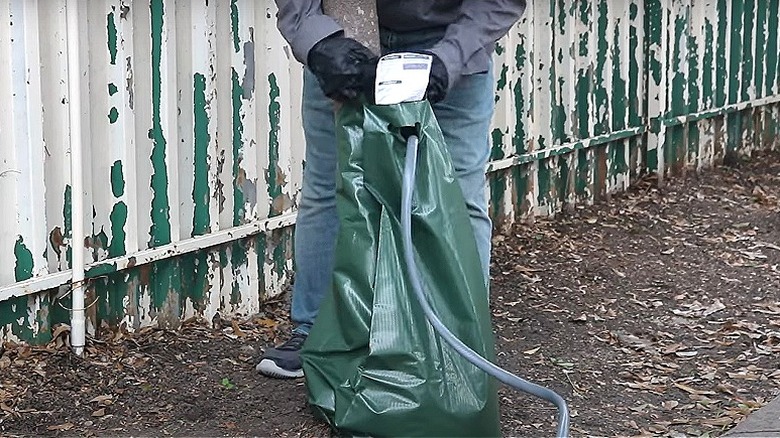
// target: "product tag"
[[402, 77]]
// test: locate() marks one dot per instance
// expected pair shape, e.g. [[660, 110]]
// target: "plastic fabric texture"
[[373, 364]]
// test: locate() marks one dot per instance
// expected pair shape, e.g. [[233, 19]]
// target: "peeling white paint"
[[214, 39]]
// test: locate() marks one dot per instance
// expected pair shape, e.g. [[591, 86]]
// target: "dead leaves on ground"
[[676, 289], [710, 364], [86, 391]]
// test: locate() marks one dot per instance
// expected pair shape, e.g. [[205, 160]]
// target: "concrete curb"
[[764, 423]]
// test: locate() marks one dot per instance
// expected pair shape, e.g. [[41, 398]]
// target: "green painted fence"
[[194, 150]]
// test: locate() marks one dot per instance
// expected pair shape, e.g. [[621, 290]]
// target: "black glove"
[[438, 81], [344, 68]]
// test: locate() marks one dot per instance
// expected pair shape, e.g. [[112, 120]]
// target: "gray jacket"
[[473, 27]]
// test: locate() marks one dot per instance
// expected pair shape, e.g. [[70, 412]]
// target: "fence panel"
[[194, 150]]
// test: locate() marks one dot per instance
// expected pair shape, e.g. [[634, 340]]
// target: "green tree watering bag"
[[373, 364]]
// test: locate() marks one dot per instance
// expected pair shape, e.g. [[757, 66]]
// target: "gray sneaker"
[[284, 361]]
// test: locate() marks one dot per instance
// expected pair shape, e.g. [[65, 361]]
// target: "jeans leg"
[[317, 224], [464, 117]]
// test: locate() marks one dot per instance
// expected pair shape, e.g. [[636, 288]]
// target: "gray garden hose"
[[410, 170]]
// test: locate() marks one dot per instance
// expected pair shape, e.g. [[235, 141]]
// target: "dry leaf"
[[686, 353], [641, 408], [753, 255], [65, 426], [698, 310], [742, 375], [690, 390], [62, 328], [633, 341], [766, 245], [722, 421], [673, 348], [715, 307], [99, 413], [267, 323], [670, 404], [659, 389], [728, 389], [769, 309], [102, 399], [236, 329], [658, 428], [760, 195], [532, 351]]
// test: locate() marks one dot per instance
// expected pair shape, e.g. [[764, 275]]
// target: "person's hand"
[[344, 67], [438, 81]]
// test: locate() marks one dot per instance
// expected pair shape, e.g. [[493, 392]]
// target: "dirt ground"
[[657, 313]]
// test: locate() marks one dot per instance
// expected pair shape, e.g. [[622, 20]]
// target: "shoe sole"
[[269, 368]]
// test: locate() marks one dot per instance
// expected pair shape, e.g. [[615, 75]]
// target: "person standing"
[[460, 36]]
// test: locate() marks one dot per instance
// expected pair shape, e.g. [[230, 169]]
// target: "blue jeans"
[[464, 117]]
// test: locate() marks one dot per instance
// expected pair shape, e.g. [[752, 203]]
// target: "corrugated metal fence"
[[195, 152]]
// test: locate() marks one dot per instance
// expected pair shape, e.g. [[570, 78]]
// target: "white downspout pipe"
[[78, 312]]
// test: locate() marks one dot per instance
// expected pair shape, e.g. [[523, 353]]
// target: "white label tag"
[[402, 77]]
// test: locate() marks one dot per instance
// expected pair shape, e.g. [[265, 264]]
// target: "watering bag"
[[373, 364]]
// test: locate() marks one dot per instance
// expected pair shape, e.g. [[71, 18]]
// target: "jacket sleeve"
[[480, 24], [303, 25]]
